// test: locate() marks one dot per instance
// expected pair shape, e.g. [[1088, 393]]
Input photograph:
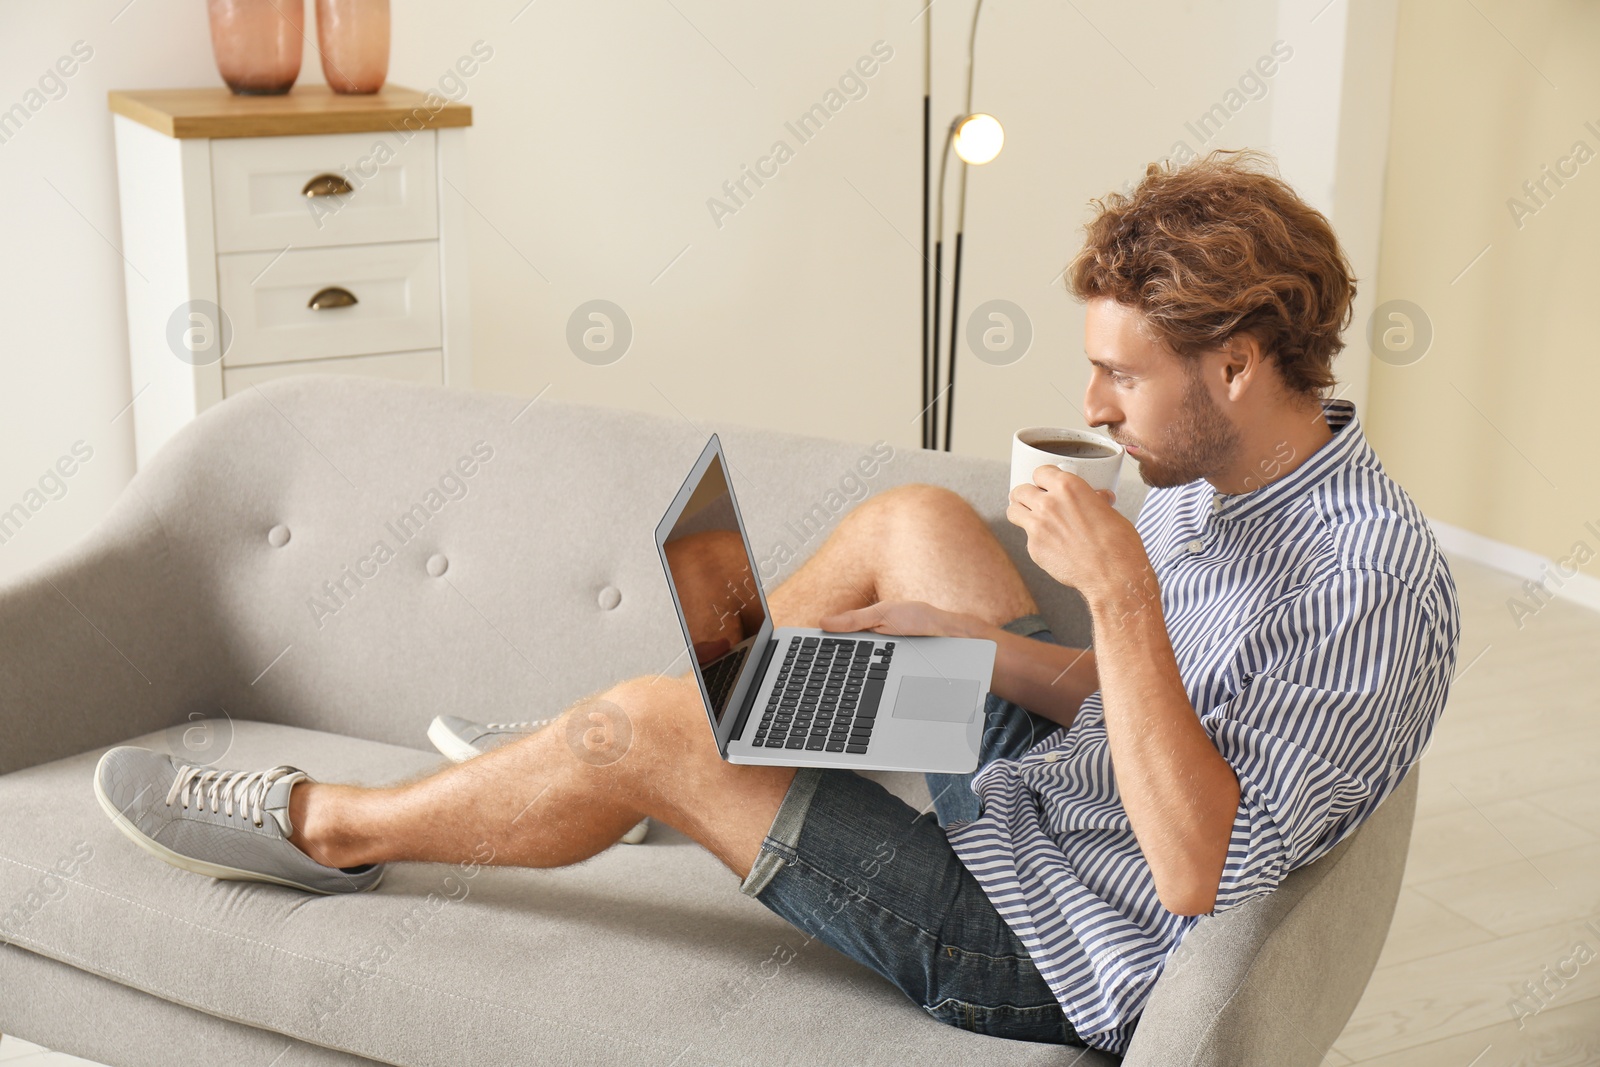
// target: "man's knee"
[[643, 717], [915, 506]]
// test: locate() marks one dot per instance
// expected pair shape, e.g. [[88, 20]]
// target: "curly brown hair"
[[1221, 246]]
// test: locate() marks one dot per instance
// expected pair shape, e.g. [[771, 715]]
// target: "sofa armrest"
[[102, 642], [1273, 981]]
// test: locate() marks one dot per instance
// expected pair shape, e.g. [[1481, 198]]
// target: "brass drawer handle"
[[327, 185], [332, 297]]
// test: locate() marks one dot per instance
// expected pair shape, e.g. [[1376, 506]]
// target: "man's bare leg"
[[913, 542], [568, 792]]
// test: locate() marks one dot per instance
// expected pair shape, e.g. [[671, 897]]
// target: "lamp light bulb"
[[978, 138]]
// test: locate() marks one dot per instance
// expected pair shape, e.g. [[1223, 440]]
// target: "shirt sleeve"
[[1339, 689]]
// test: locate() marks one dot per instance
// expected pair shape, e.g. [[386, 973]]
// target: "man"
[[1273, 643]]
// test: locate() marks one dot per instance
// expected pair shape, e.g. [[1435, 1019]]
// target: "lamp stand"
[[932, 395]]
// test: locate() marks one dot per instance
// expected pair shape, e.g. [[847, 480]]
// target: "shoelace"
[[208, 787], [534, 725]]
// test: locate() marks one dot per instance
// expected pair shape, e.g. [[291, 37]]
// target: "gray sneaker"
[[225, 824], [462, 739]]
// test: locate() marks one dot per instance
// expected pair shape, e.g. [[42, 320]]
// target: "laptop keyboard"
[[826, 695]]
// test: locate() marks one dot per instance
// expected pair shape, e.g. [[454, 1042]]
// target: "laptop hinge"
[[754, 688]]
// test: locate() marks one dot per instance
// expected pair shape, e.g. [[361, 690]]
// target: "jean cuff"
[[784, 834], [1027, 625]]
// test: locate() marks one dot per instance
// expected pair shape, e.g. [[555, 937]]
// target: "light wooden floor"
[[1503, 876], [1504, 871]]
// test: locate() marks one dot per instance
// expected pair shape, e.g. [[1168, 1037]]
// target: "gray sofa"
[[223, 611]]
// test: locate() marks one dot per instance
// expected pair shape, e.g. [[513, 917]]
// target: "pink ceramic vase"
[[353, 37], [258, 43]]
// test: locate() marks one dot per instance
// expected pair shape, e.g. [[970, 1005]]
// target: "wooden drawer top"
[[216, 112]]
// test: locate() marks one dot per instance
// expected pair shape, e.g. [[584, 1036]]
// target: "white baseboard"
[[1582, 589]]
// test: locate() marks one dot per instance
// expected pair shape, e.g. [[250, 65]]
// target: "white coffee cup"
[[1100, 471]]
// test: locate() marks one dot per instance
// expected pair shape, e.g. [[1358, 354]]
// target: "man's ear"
[[1243, 364]]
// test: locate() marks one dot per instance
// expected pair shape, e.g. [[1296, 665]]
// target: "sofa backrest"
[[358, 555]]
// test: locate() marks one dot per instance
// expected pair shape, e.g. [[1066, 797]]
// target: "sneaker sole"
[[188, 863], [449, 745], [458, 751]]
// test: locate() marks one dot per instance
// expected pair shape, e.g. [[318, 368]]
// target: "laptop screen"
[[714, 580]]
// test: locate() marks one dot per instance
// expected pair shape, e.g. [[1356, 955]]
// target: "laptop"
[[793, 696]]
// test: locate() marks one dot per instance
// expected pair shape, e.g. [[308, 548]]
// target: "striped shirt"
[[1315, 625]]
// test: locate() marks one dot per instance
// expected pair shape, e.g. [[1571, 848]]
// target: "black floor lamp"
[[975, 138]]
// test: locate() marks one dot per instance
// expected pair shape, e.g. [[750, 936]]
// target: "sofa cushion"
[[44, 1003], [641, 954]]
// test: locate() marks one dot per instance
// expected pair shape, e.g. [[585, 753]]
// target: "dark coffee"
[[1074, 448]]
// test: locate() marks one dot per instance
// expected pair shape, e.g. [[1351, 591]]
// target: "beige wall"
[[602, 128], [1492, 429], [600, 140]]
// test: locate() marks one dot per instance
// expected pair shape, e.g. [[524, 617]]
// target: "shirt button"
[[1051, 757], [1196, 545], [1216, 503]]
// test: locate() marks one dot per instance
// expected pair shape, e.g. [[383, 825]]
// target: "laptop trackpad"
[[939, 699]]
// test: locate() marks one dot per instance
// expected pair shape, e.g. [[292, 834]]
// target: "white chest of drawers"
[[300, 234]]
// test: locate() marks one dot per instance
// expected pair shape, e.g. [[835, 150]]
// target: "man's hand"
[[900, 618], [1079, 538]]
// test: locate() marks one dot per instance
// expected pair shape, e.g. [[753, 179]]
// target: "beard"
[[1200, 441]]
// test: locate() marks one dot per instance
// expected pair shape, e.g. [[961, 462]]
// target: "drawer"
[[259, 189], [426, 368], [267, 297]]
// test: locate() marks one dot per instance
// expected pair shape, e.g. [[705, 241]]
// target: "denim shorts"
[[857, 868]]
